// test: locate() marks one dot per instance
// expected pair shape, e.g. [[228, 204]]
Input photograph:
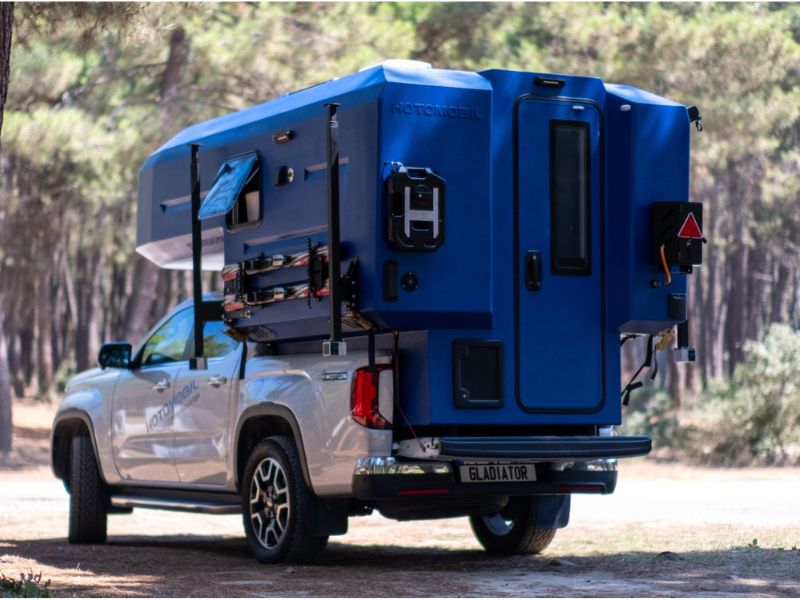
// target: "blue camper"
[[430, 274], [509, 224]]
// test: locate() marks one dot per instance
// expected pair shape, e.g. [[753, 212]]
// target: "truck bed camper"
[[510, 226]]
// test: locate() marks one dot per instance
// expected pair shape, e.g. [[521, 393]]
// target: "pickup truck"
[[297, 444]]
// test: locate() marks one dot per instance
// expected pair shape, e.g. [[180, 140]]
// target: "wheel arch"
[[264, 420], [68, 424]]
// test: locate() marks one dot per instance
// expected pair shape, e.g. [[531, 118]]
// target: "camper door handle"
[[533, 270], [217, 380], [161, 385]]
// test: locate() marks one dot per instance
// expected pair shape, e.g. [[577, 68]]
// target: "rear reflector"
[[429, 492], [582, 489]]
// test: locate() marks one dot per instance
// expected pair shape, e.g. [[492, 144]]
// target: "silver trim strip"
[[214, 508]]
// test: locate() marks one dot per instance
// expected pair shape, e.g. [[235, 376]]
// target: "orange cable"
[[665, 265]]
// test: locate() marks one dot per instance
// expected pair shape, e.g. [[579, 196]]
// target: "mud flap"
[[551, 512], [329, 517]]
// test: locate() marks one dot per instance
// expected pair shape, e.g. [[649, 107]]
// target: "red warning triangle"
[[690, 228]]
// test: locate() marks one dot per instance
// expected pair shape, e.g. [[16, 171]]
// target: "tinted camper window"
[[569, 197], [247, 209], [236, 192]]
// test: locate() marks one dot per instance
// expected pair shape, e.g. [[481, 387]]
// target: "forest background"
[[94, 88]]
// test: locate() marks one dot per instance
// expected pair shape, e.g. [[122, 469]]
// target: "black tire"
[[277, 521], [88, 500], [512, 530]]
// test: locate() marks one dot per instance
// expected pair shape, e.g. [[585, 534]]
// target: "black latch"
[[415, 209], [694, 117], [533, 271], [282, 175]]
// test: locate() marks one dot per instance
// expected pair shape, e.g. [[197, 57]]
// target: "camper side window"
[[247, 209], [569, 197], [235, 193]]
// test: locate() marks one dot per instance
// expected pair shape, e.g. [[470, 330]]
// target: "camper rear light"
[[364, 398]]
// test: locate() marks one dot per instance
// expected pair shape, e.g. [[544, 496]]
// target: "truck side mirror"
[[116, 355]]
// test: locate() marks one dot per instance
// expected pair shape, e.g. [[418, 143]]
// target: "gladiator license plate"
[[497, 473]]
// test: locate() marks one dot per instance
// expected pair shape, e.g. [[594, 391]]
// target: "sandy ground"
[[667, 531]]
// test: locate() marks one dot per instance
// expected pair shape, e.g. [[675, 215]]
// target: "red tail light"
[[364, 398]]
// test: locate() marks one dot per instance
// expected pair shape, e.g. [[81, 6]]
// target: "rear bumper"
[[376, 486], [564, 465], [546, 448]]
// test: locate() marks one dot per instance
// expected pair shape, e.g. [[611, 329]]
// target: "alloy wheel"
[[269, 503]]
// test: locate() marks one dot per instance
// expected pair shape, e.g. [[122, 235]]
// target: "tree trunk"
[[756, 297], [147, 302], [13, 354], [6, 29], [26, 354], [5, 397], [97, 306], [673, 378], [83, 354], [737, 271], [170, 80], [44, 341], [778, 294], [143, 296]]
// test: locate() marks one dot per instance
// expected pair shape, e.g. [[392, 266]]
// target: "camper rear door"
[[559, 312]]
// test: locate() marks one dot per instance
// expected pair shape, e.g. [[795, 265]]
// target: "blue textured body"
[[488, 136]]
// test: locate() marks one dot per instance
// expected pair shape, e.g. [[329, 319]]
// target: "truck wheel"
[[277, 506], [512, 530], [88, 501]]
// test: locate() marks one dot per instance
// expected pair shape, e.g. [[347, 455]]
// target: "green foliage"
[[27, 586], [66, 371], [755, 416], [652, 413]]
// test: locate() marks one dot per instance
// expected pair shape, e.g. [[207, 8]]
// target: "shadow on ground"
[[218, 566], [30, 449]]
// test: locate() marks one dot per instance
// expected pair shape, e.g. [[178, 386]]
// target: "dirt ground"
[[667, 531]]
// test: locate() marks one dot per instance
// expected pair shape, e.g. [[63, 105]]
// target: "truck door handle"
[[533, 270], [161, 385], [217, 381]]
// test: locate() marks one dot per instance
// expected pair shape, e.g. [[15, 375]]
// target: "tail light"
[[364, 398]]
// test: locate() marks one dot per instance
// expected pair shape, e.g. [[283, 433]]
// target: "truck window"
[[216, 343], [168, 343]]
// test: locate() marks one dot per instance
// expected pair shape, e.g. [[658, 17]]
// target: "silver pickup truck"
[[297, 444]]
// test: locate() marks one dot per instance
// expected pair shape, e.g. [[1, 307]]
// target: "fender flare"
[[270, 409], [71, 414]]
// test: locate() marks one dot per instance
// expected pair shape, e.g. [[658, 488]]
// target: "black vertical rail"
[[334, 242], [371, 350], [683, 334], [197, 361]]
